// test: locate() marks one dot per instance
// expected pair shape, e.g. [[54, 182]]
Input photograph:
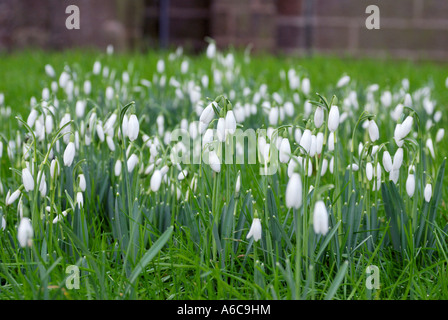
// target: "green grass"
[[132, 243]]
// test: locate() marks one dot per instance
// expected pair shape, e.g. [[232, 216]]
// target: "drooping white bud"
[[133, 127], [27, 180], [293, 194], [255, 230], [25, 233], [320, 218], [156, 180], [387, 161], [428, 192], [410, 184], [319, 117], [333, 118], [69, 154], [373, 131]]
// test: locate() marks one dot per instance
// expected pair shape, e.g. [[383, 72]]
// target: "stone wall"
[[409, 28]]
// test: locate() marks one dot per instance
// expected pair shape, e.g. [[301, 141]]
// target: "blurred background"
[[410, 29]]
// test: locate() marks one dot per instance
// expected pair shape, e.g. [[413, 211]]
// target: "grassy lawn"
[[154, 232]]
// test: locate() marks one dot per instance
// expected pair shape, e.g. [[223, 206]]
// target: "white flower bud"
[[27, 180], [387, 161], [285, 151], [25, 233], [156, 180], [369, 171], [214, 162], [373, 131], [293, 194], [69, 154], [398, 159], [333, 118], [428, 192], [82, 182], [410, 185], [133, 127], [320, 218], [255, 230], [305, 141], [117, 168], [230, 122], [318, 117]]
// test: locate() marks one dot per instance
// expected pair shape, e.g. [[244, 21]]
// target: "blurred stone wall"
[[41, 23], [409, 28]]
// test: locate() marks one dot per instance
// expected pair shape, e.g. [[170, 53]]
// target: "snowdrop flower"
[[100, 131], [160, 120], [297, 135], [50, 71], [386, 98], [373, 131], [221, 129], [110, 143], [69, 154], [42, 184], [387, 161], [331, 165], [230, 122], [313, 147], [285, 151], [238, 183], [319, 143], [211, 50], [117, 168], [156, 180], [428, 192], [333, 118], [406, 127], [25, 233], [3, 224], [306, 86], [80, 108], [109, 93], [394, 175], [54, 168], [79, 199], [324, 167], [353, 166], [214, 162], [407, 100], [28, 180], [32, 117], [410, 184], [439, 135], [273, 116], [132, 162], [438, 116], [87, 87], [82, 182], [182, 175], [293, 194], [160, 66], [430, 146], [319, 117], [305, 140], [369, 171], [96, 68], [320, 218], [289, 108], [344, 80], [398, 159], [133, 128], [331, 141], [255, 230]]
